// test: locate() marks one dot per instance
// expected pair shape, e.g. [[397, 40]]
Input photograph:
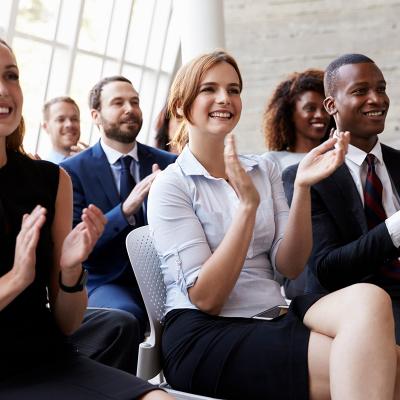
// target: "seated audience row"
[[231, 228], [356, 218], [233, 233]]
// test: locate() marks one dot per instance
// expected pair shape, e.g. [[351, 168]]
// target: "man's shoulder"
[[289, 173], [159, 154], [390, 150], [84, 157]]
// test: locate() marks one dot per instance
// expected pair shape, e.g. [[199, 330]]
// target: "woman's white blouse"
[[189, 212]]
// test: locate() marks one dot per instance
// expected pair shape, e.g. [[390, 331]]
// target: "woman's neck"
[[304, 145], [210, 154]]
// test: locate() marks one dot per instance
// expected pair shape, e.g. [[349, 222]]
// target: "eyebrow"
[[367, 83], [311, 103], [216, 83], [136, 97]]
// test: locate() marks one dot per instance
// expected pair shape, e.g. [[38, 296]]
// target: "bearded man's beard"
[[113, 131]]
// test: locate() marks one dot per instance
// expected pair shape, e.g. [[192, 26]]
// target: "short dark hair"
[[60, 99], [330, 77], [95, 93]]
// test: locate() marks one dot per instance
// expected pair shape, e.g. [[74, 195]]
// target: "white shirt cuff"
[[393, 226]]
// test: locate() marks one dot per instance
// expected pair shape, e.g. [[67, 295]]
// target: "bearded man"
[[116, 175]]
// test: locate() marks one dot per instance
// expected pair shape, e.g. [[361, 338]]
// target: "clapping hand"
[[322, 161], [81, 240], [25, 247], [138, 194], [80, 146], [237, 176]]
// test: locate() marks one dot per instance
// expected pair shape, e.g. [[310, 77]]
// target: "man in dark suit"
[[98, 177], [103, 332], [348, 246]]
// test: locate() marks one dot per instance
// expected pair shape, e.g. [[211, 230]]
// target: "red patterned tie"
[[374, 211]]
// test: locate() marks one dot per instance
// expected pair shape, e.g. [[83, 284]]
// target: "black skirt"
[[238, 358]]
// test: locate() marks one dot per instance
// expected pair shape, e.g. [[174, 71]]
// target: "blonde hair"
[[185, 88]]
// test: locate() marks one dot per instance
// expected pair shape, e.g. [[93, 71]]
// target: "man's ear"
[[330, 106], [44, 125], [95, 116]]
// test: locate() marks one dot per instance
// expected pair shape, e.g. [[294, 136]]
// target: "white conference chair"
[[146, 266]]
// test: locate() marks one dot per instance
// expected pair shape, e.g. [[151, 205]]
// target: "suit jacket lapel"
[[391, 158], [102, 172], [146, 161], [339, 190]]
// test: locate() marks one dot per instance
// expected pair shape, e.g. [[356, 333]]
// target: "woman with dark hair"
[[42, 281], [295, 120]]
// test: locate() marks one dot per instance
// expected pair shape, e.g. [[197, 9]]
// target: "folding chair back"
[[146, 266]]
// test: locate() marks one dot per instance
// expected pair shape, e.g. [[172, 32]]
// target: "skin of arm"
[[220, 272], [296, 244], [68, 308], [71, 248]]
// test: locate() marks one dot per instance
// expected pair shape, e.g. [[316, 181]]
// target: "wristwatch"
[[79, 285]]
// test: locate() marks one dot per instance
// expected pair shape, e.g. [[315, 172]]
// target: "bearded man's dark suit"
[[344, 251], [110, 272]]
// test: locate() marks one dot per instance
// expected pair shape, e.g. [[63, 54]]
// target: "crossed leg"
[[352, 352]]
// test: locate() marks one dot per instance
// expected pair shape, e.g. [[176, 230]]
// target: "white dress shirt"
[[284, 158], [113, 157], [355, 161], [189, 212], [55, 157]]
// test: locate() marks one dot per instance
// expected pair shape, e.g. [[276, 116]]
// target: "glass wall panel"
[[118, 32], [110, 68], [94, 27], [171, 50], [38, 17], [58, 74], [5, 17], [139, 31], [69, 21], [158, 32], [146, 100], [33, 60], [93, 39], [85, 74], [134, 74]]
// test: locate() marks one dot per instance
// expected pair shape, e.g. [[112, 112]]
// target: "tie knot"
[[126, 162], [370, 159]]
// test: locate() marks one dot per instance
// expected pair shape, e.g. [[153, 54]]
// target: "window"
[[64, 47]]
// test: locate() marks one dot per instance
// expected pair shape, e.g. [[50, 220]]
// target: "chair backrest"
[[146, 266]]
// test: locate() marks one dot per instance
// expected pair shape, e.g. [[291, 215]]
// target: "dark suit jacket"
[[344, 251], [93, 183]]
